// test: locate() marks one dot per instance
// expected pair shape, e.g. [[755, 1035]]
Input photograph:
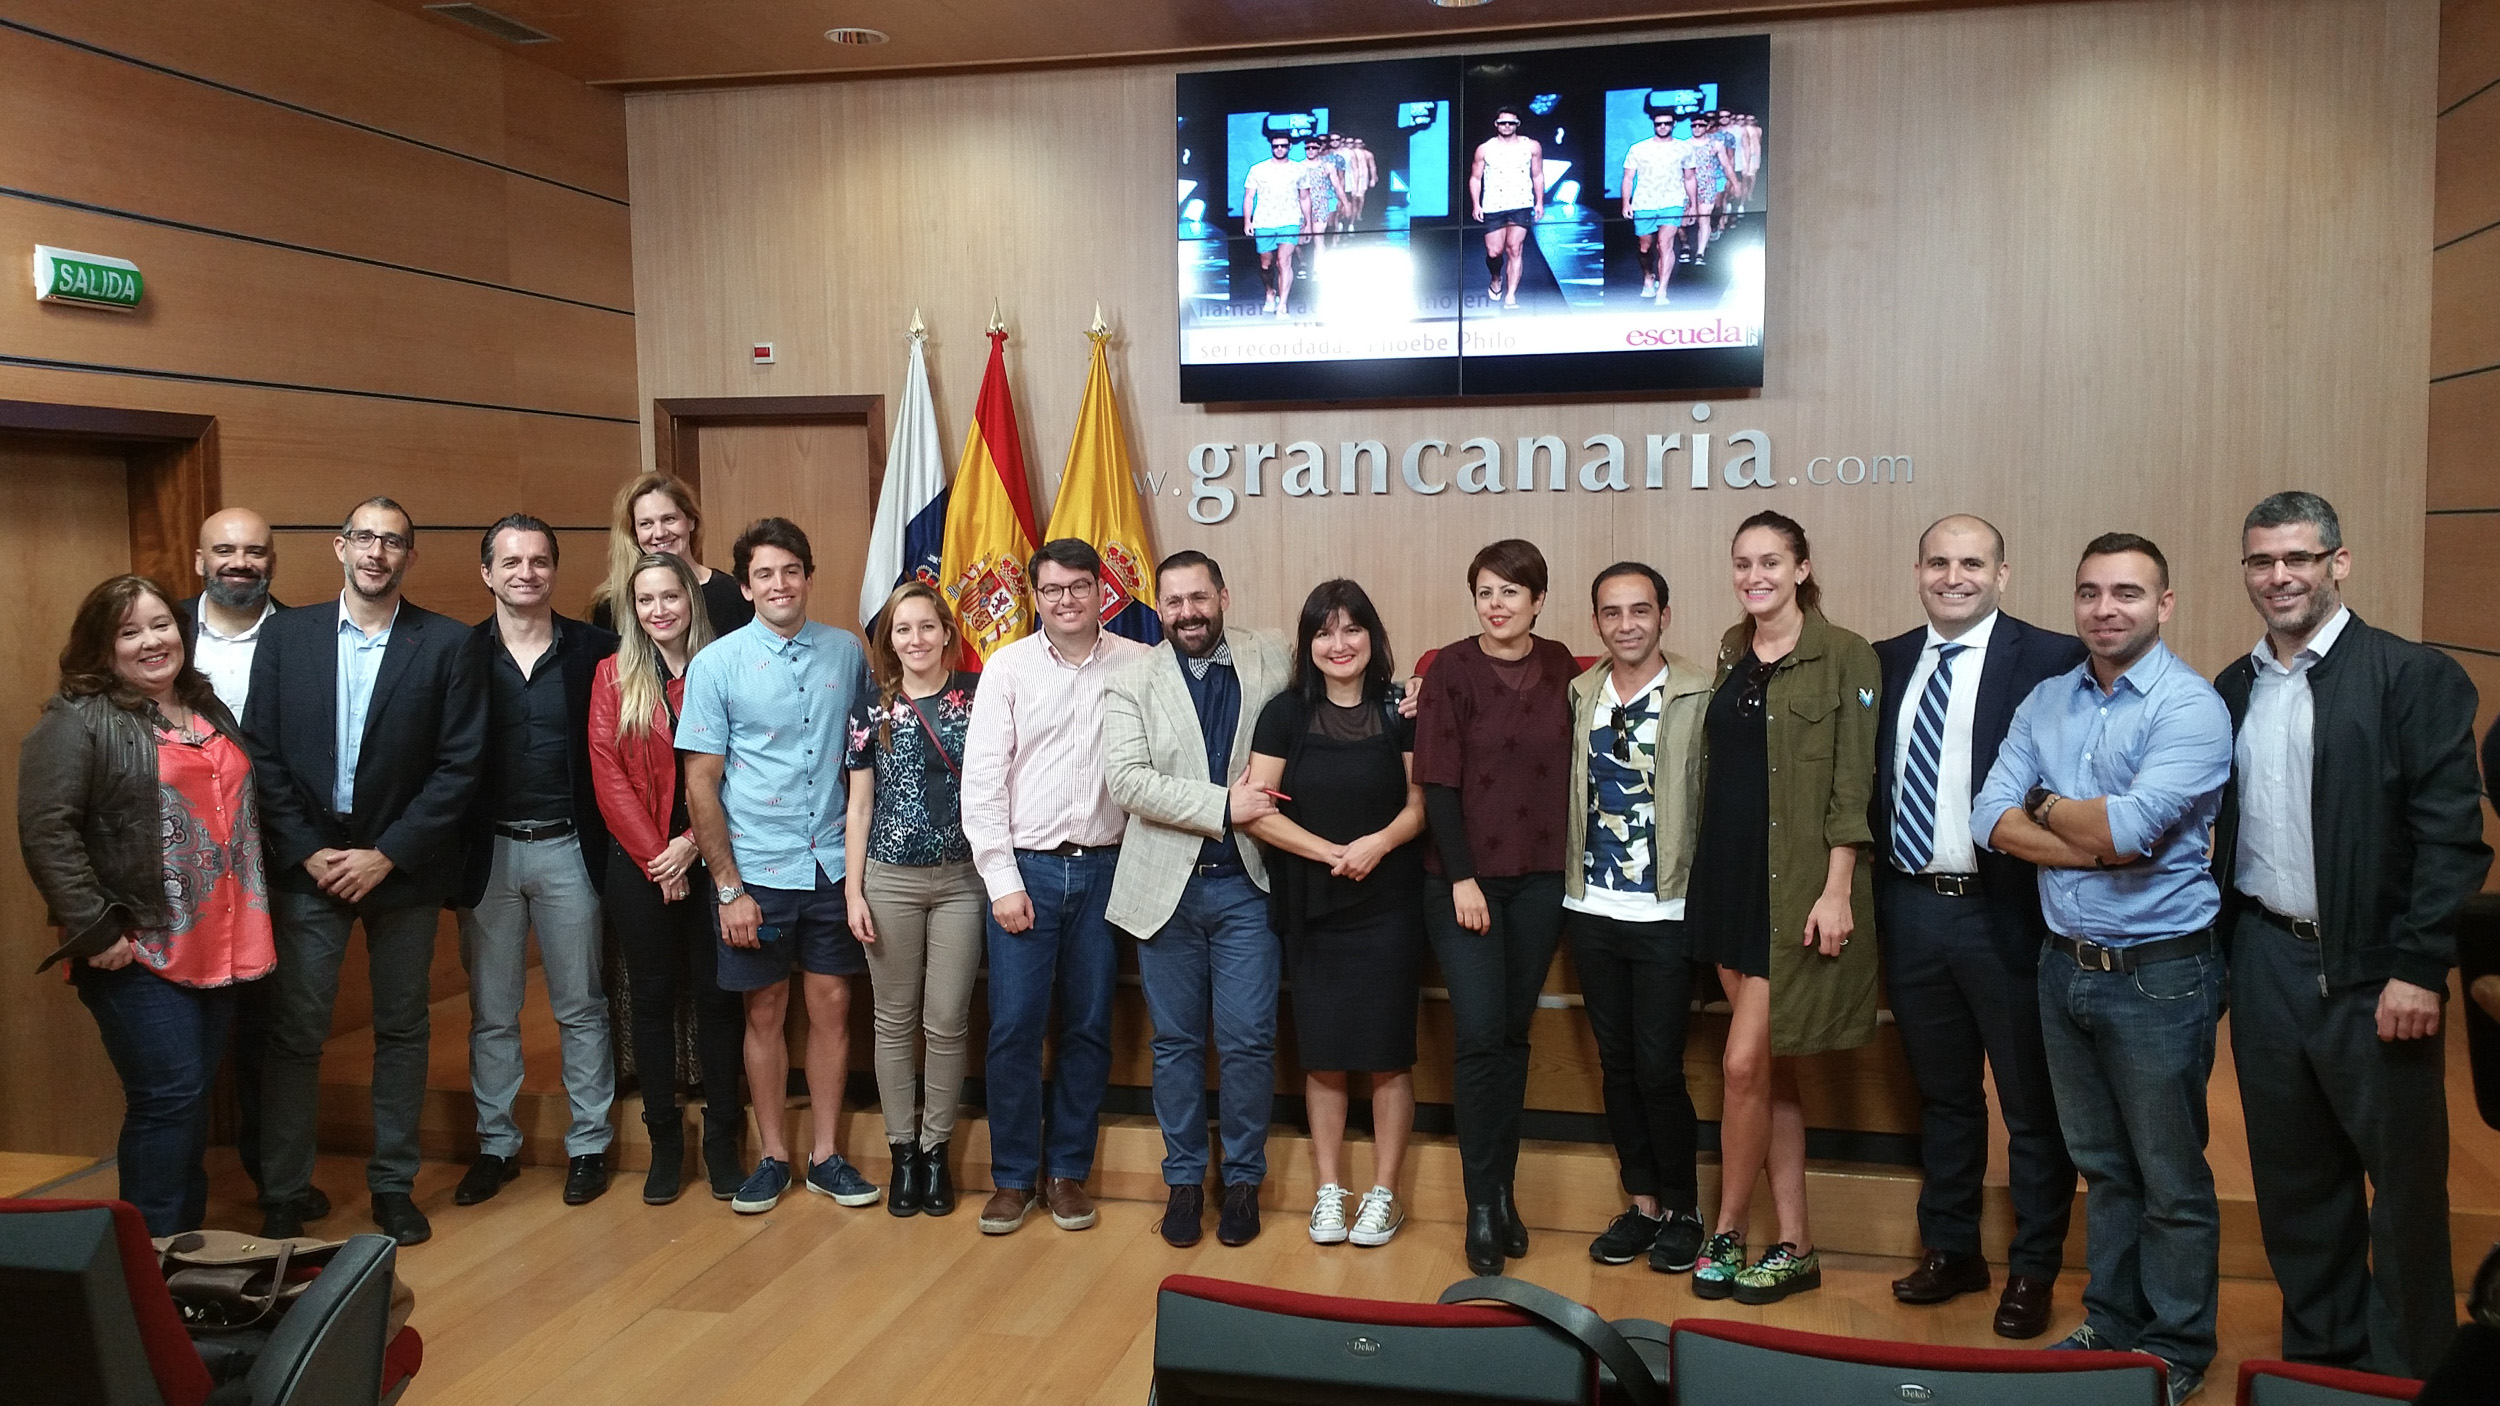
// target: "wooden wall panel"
[[2465, 425], [2465, 315], [2012, 321], [2466, 549], [2469, 48], [2467, 198], [2461, 584], [444, 578]]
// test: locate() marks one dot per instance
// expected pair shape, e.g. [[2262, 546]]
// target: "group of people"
[[2074, 848], [1287, 202], [1691, 176]]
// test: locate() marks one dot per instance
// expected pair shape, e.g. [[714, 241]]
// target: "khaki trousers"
[[921, 968]]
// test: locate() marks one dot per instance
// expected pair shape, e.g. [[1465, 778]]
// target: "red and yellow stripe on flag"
[[989, 523], [1098, 505]]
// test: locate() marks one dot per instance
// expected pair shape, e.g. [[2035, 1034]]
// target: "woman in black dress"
[[1346, 876]]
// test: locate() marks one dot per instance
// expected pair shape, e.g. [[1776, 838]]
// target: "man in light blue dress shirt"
[[2109, 780]]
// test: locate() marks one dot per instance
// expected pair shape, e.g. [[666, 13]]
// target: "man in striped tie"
[[1962, 927]]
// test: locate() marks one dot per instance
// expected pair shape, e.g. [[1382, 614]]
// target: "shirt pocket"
[[1810, 717]]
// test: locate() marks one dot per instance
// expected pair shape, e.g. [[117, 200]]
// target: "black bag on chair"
[[1631, 1353]]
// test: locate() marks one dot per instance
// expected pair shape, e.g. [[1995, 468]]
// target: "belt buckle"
[[1960, 885], [2103, 959], [2306, 929]]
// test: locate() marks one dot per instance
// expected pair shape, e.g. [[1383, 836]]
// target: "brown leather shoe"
[[1070, 1207], [1942, 1276], [1006, 1209], [2024, 1311]]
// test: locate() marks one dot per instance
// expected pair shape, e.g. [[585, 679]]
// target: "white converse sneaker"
[[1328, 1216], [1376, 1222]]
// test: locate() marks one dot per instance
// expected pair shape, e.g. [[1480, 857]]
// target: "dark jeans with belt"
[[1493, 978], [1959, 1005], [669, 952], [2367, 1280], [1636, 982], [165, 1041]]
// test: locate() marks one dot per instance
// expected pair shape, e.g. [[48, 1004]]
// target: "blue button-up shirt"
[[775, 708], [360, 663], [2158, 745]]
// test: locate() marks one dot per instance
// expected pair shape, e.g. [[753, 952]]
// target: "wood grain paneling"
[[2461, 554], [2484, 669], [818, 476], [444, 577], [2468, 195], [2048, 357], [2469, 49], [2465, 425], [184, 151], [2465, 312]]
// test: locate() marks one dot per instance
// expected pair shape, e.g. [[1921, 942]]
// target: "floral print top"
[[216, 895], [917, 817]]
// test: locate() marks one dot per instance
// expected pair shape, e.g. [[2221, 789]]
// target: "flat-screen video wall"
[[1557, 221]]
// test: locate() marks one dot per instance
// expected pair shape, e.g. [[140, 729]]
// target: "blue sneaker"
[[840, 1180], [762, 1191], [2085, 1338]]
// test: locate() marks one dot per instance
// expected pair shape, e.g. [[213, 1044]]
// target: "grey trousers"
[[312, 934], [542, 885], [2367, 1281], [921, 968]]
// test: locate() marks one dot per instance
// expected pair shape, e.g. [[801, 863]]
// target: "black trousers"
[[1636, 982], [669, 951], [1960, 1005], [245, 1056], [2367, 1282], [1493, 979]]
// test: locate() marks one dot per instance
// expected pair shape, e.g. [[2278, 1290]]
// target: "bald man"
[[221, 625], [1962, 926]]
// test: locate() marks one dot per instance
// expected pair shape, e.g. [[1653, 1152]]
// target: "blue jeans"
[[2129, 1054], [1216, 956], [1069, 951], [165, 1041]]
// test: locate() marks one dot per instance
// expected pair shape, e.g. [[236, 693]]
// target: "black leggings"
[[668, 949], [1493, 979]]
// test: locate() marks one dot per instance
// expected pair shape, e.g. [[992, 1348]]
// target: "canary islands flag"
[[989, 523], [1098, 504], [908, 540]]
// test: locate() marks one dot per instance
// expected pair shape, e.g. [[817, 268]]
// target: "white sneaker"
[[1376, 1222], [1328, 1216]]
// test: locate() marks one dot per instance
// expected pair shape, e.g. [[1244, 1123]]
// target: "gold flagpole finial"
[[1101, 328], [918, 331], [998, 318]]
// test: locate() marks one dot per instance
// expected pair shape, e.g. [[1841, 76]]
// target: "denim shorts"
[[813, 934]]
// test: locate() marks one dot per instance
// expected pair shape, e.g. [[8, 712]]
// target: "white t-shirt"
[[1653, 173], [1272, 194], [227, 659]]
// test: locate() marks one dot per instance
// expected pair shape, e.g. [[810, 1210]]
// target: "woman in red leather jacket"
[[658, 890]]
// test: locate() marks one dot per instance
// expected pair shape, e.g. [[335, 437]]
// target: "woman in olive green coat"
[[1778, 898]]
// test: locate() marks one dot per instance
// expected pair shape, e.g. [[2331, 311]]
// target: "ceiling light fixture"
[[850, 35], [1460, 4]]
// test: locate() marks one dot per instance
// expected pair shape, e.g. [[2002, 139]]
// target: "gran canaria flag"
[[989, 522], [1098, 504]]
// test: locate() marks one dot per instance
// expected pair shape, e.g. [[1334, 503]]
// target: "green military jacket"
[[1820, 715], [1675, 787]]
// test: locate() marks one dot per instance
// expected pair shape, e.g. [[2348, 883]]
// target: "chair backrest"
[[1725, 1363], [84, 1315], [328, 1350], [1219, 1343], [2271, 1383]]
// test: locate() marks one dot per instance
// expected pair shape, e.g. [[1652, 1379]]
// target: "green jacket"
[[1685, 696], [1820, 708]]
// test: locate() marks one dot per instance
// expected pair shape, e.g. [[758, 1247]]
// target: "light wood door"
[[64, 526], [820, 475]]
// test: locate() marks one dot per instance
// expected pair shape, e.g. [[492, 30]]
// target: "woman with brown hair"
[[657, 515], [922, 906], [136, 815], [1777, 893]]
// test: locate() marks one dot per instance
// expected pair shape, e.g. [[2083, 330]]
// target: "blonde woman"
[[657, 515], [923, 905]]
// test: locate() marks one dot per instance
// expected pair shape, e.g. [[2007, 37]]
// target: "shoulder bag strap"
[[954, 770], [1632, 1374]]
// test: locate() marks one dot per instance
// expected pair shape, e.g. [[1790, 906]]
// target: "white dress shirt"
[[227, 659], [1954, 852], [2277, 857], [1033, 775]]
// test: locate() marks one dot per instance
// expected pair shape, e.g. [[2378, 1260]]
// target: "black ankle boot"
[[902, 1185], [937, 1185], [723, 1167], [1514, 1230], [1484, 1239], [667, 1177]]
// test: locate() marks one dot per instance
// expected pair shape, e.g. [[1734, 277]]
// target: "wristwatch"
[[727, 894], [2036, 804]]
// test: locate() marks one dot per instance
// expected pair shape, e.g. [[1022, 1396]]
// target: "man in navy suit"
[[1961, 924], [367, 716]]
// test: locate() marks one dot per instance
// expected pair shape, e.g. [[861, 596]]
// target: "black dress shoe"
[[1484, 1239], [586, 1179], [937, 1184], [486, 1176], [400, 1219], [1942, 1276], [1514, 1230], [902, 1186], [2024, 1310]]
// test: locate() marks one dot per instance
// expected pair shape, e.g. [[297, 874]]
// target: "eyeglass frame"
[[361, 537]]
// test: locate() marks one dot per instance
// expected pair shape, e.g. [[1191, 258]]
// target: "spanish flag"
[[989, 523], [1098, 504]]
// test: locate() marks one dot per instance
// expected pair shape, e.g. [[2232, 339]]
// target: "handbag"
[[233, 1289]]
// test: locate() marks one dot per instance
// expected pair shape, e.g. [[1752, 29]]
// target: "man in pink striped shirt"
[[1046, 838]]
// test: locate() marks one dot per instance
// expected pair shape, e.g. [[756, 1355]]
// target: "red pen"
[[1272, 791]]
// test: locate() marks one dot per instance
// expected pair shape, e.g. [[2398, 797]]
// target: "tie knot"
[[1945, 652]]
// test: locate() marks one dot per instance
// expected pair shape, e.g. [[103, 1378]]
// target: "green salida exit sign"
[[90, 280]]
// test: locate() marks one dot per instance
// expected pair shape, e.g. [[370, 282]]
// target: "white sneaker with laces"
[[1328, 1216], [1377, 1220]]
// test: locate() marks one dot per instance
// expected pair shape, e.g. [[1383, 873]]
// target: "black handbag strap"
[[1604, 1341]]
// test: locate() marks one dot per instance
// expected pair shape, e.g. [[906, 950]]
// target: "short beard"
[[1215, 636], [229, 597], [356, 583]]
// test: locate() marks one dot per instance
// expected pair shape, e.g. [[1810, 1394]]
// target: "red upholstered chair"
[[1725, 1363], [2270, 1383]]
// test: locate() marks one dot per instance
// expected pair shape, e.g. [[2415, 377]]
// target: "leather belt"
[[1072, 850], [529, 830], [1221, 866], [2092, 956], [1947, 885], [2303, 928]]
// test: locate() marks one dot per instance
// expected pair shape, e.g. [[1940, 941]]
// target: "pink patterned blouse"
[[216, 896]]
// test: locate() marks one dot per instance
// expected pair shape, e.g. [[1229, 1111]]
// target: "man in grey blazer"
[[1192, 889]]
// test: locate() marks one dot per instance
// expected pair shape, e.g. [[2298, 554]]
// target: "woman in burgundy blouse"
[[1493, 754]]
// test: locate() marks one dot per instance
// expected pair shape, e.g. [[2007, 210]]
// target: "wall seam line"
[[2487, 87], [2469, 234], [2461, 375], [2463, 648], [151, 373]]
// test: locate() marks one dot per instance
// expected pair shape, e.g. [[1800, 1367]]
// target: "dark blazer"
[[2020, 656], [2395, 808], [423, 734], [577, 651]]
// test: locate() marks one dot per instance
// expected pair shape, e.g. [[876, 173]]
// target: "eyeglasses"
[[1755, 683], [1051, 593], [365, 537], [2258, 564]]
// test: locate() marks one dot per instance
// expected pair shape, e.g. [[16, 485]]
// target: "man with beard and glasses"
[[367, 717], [2350, 840], [1192, 888]]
